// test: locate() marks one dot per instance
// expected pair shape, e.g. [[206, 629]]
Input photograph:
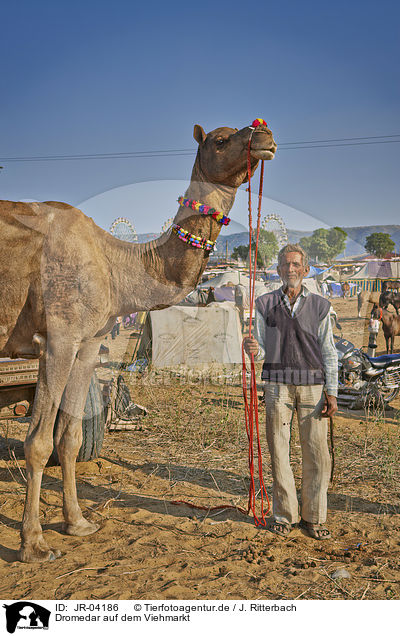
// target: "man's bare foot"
[[315, 530]]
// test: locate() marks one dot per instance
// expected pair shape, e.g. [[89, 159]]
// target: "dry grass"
[[193, 446]]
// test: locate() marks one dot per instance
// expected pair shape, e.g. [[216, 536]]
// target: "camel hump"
[[59, 204]]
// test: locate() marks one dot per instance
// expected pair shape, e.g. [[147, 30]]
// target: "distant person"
[[325, 289], [241, 301], [116, 328], [211, 296]]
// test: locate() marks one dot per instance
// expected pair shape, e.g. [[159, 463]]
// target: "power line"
[[294, 145], [126, 155], [320, 141], [360, 143]]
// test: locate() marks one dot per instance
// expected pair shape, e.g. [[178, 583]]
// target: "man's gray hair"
[[292, 247]]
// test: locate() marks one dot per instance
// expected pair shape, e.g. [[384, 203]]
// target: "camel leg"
[[68, 438], [38, 447]]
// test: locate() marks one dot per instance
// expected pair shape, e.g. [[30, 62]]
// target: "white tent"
[[193, 337], [236, 278], [378, 269], [197, 337], [227, 276]]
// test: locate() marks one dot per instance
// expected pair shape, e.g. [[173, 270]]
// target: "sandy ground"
[[193, 446]]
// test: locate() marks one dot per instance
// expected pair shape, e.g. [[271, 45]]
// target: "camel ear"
[[199, 134]]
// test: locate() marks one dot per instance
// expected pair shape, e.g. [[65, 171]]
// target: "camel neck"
[[219, 196], [162, 272]]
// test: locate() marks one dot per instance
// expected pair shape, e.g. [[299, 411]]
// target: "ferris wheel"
[[123, 229], [167, 225], [275, 224]]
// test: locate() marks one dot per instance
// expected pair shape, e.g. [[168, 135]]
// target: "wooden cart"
[[17, 392]]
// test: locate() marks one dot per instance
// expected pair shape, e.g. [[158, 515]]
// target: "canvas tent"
[[203, 338], [235, 278], [228, 276], [378, 269], [370, 276], [192, 337]]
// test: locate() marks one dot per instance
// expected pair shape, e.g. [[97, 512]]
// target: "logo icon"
[[26, 615]]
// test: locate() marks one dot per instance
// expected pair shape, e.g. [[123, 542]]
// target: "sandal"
[[280, 528], [315, 530]]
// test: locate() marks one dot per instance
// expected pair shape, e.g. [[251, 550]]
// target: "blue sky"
[[101, 77]]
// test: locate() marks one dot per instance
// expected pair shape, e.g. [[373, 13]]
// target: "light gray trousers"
[[308, 401]]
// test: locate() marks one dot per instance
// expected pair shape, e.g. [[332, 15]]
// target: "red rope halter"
[[250, 402], [251, 405]]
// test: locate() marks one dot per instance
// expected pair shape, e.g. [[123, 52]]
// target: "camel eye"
[[219, 142]]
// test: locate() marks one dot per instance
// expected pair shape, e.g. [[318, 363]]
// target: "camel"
[[64, 282], [392, 285], [365, 296], [390, 298], [382, 299]]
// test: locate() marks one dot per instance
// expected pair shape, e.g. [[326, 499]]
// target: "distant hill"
[[356, 237], [354, 245]]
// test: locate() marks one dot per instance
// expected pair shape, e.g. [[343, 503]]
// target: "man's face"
[[292, 270]]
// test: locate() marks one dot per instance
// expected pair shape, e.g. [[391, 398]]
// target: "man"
[[294, 335], [241, 301], [325, 289], [211, 296]]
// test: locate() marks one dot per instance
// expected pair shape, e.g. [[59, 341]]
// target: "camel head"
[[222, 153]]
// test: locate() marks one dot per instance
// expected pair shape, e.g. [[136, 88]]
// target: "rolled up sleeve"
[[259, 334], [329, 355]]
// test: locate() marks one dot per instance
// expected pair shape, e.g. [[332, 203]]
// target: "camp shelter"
[[234, 278], [224, 278], [192, 337], [370, 276]]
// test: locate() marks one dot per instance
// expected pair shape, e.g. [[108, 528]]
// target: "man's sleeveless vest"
[[293, 354]]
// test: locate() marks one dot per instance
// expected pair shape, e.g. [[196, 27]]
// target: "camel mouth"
[[263, 153]]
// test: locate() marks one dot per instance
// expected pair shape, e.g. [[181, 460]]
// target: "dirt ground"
[[193, 446]]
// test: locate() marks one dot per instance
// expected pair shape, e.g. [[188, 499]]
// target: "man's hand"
[[330, 406], [250, 345]]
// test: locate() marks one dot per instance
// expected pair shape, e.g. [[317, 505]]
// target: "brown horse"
[[390, 325], [390, 298]]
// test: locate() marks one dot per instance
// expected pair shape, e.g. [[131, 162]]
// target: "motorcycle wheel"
[[379, 394], [388, 395]]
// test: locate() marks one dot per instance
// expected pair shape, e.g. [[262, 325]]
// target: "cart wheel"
[[93, 424]]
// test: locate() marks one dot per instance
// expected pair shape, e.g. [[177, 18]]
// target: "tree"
[[324, 244], [240, 252], [267, 249], [379, 243]]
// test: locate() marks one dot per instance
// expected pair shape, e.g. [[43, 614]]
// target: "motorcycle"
[[364, 381]]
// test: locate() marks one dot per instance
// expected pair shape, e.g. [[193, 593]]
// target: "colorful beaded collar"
[[204, 209], [191, 239]]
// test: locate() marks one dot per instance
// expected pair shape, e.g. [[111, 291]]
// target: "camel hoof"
[[81, 529], [37, 555]]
